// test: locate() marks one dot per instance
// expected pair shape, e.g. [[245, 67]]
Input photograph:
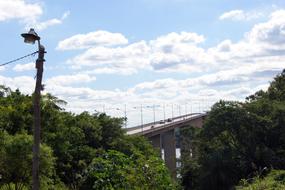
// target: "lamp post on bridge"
[[164, 111], [141, 110], [31, 37], [118, 109], [125, 113], [153, 108], [172, 110]]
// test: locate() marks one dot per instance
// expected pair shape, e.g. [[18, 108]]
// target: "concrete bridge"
[[163, 135]]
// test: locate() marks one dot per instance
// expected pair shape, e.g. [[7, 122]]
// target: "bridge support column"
[[168, 144], [156, 142]]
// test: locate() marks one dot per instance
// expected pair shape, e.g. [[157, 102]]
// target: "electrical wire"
[[18, 59]]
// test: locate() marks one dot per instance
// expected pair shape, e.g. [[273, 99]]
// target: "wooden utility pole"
[[37, 117]]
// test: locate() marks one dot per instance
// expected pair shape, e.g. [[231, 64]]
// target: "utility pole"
[[31, 37], [37, 117]]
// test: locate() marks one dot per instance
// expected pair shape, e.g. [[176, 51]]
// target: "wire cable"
[[18, 58]]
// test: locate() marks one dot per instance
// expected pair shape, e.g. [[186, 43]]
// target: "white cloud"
[[24, 83], [2, 68], [51, 22], [181, 52], [240, 15], [225, 78], [178, 51], [110, 70], [270, 33], [24, 67], [92, 39], [201, 92], [233, 70], [174, 38], [125, 60], [174, 50], [70, 79], [27, 13], [263, 42], [19, 9]]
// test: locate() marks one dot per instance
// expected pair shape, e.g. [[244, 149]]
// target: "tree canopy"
[[238, 140], [78, 151]]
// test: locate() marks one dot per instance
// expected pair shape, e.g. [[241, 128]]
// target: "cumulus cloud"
[[97, 38], [27, 13], [224, 78], [272, 32], [180, 52], [24, 83], [240, 15], [70, 79], [51, 22], [20, 10], [125, 60], [24, 67], [174, 50], [110, 70], [263, 42], [2, 68], [232, 70], [174, 38]]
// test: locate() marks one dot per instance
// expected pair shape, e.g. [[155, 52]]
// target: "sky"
[[149, 59]]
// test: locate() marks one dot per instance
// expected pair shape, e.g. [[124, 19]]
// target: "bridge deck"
[[150, 127]]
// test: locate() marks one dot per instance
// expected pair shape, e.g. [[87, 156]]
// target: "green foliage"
[[237, 140], [275, 180], [115, 170], [84, 151], [16, 160], [15, 111]]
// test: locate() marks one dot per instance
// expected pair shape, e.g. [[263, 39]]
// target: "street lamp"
[[125, 113], [31, 37], [141, 109]]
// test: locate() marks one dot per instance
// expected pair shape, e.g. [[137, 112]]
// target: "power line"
[[18, 59]]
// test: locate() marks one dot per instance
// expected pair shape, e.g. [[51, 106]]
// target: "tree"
[[16, 161], [115, 170], [74, 144], [239, 139]]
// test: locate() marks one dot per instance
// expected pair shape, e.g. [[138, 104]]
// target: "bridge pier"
[[169, 146], [164, 137], [156, 142]]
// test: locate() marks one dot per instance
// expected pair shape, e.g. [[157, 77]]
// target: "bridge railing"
[[171, 124], [158, 122]]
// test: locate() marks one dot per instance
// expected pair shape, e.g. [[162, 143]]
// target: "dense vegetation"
[[241, 146], [85, 151], [273, 181], [238, 141]]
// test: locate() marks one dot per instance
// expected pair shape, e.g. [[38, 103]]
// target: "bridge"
[[164, 135]]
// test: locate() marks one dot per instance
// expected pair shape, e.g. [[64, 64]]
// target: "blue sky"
[[105, 54]]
